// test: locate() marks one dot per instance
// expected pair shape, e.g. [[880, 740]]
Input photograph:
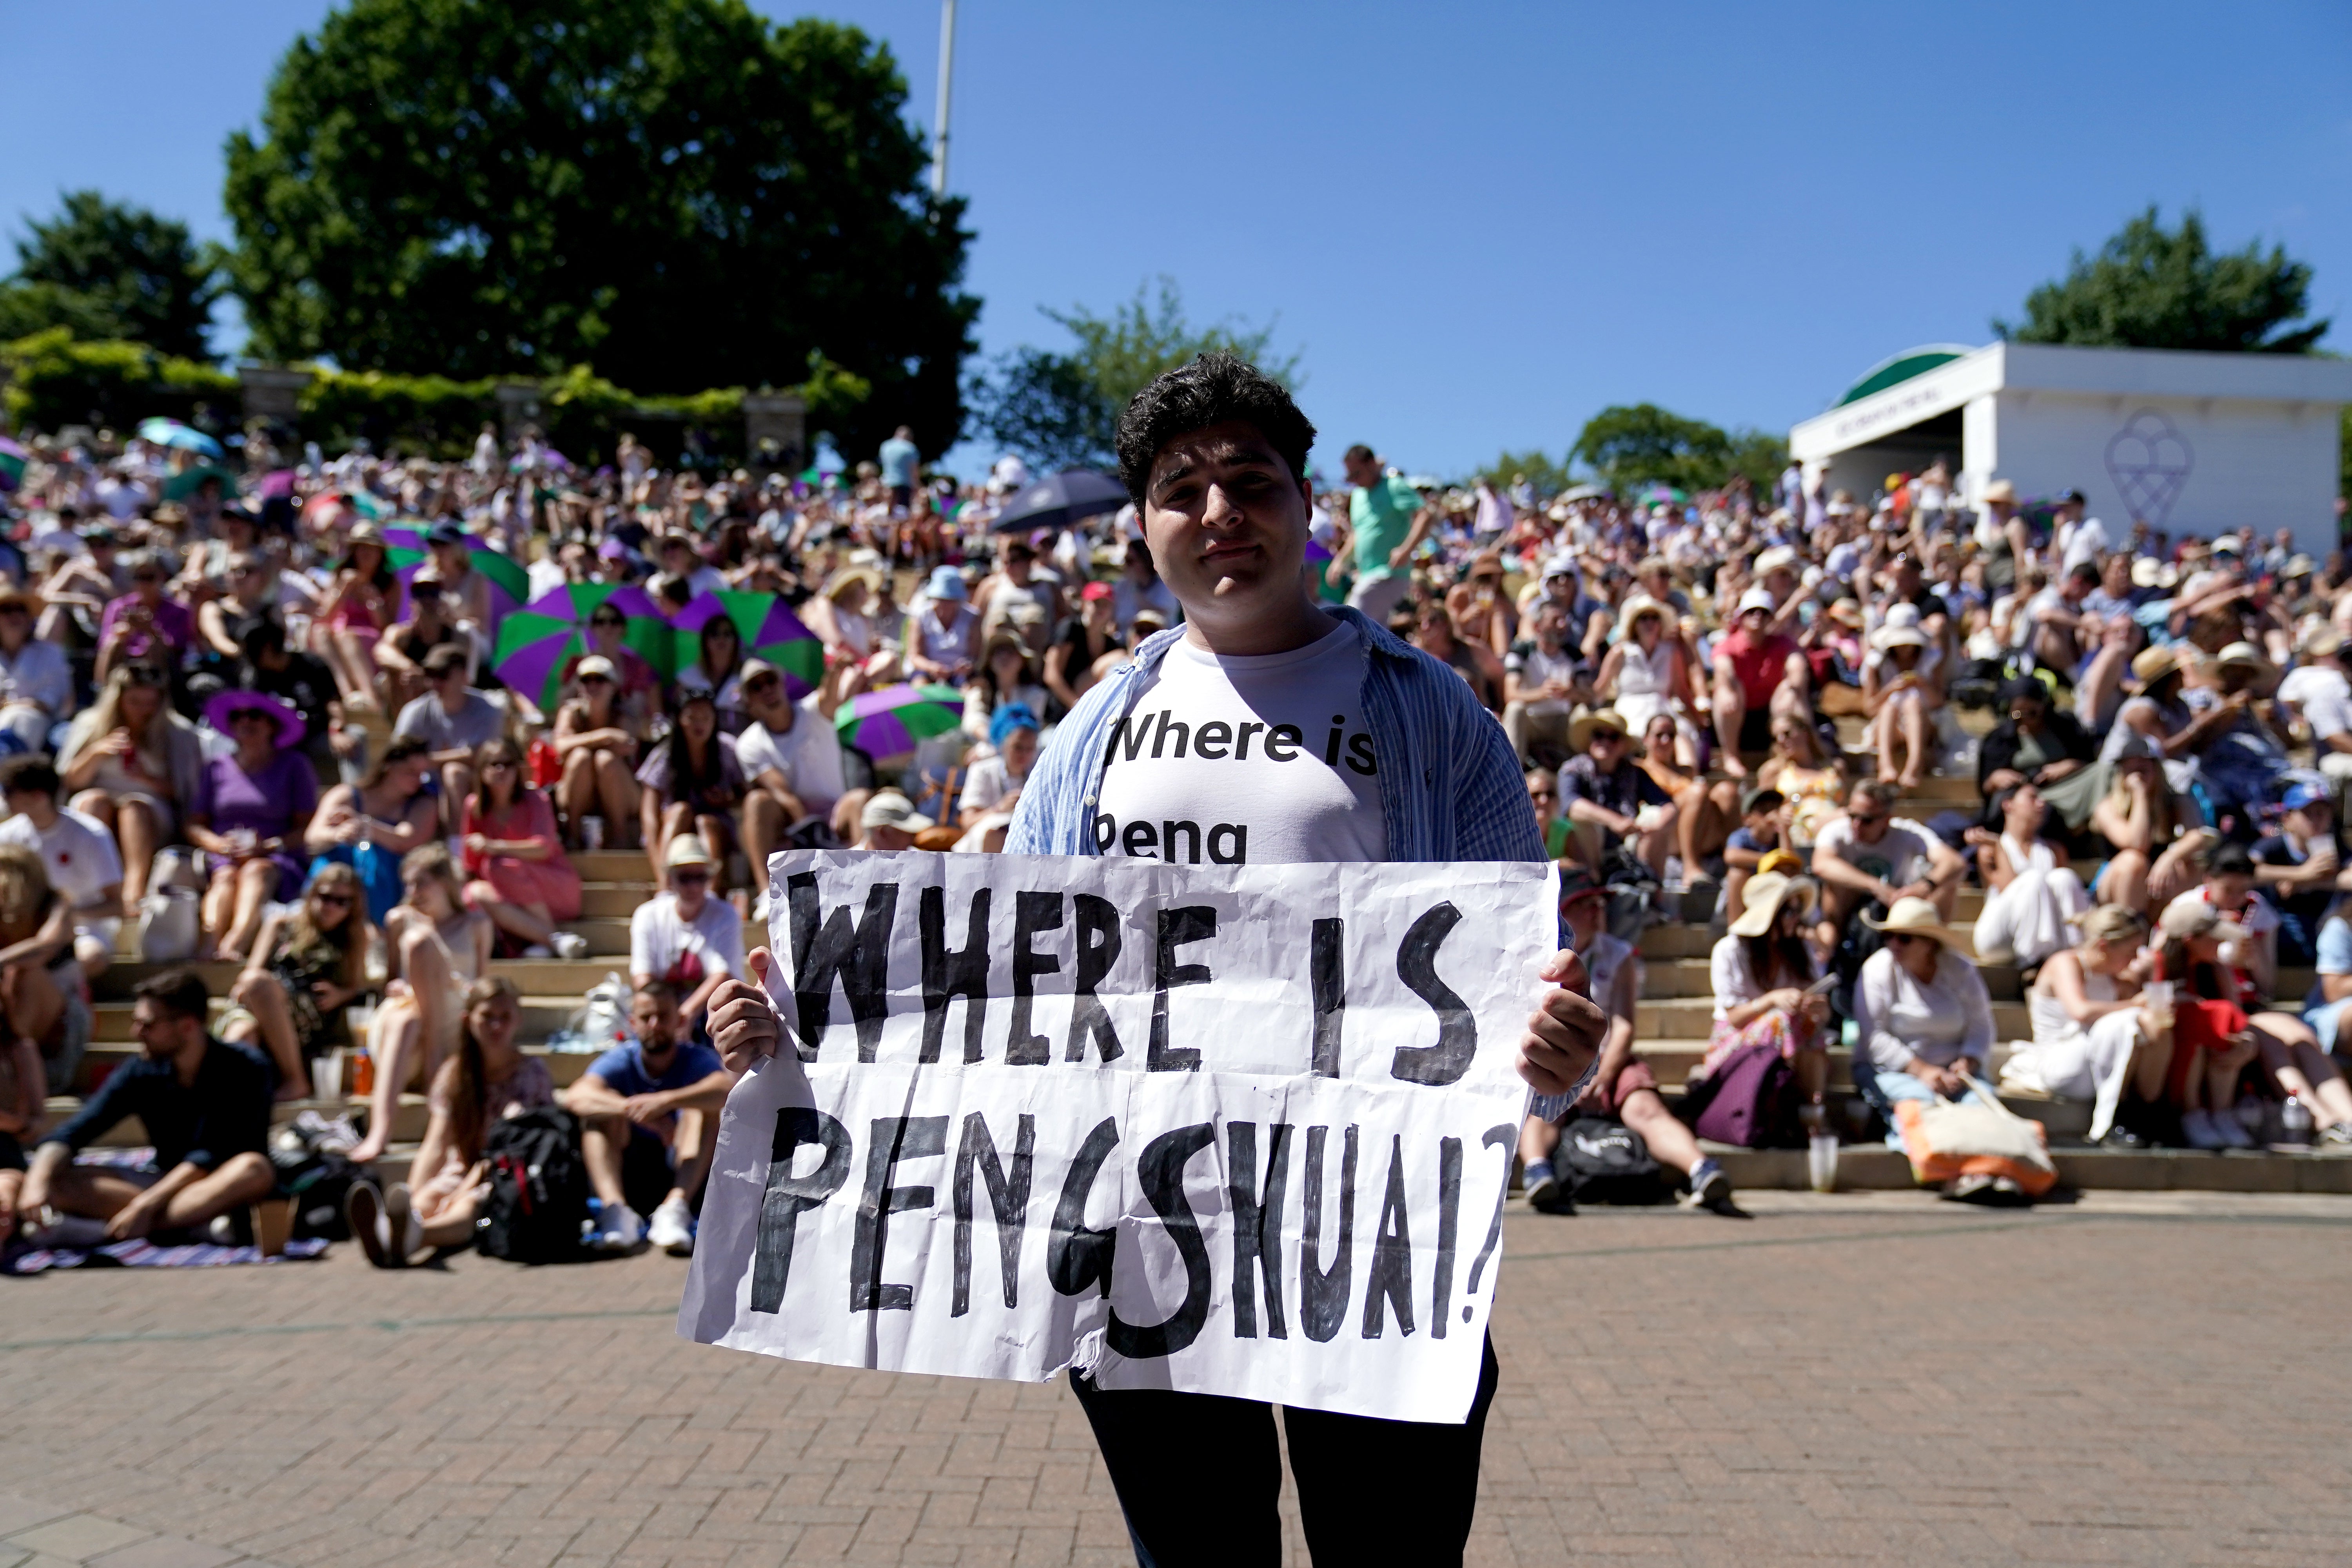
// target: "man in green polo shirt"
[[1389, 522]]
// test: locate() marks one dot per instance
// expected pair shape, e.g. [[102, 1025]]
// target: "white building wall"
[[2270, 464]]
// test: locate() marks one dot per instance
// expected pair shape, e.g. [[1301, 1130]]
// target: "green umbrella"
[[538, 643], [768, 628], [187, 481]]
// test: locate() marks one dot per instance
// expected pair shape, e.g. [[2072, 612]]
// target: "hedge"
[[56, 381]]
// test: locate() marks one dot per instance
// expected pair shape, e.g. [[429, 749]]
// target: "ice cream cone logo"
[[2150, 463]]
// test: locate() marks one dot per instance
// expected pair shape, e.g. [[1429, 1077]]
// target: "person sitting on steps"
[[648, 1113]]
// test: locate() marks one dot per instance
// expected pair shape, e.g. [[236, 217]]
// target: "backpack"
[[1749, 1100], [1605, 1162], [538, 1189]]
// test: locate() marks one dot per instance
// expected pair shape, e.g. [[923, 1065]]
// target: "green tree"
[[2153, 288], [1061, 410], [107, 271], [1644, 445], [679, 192]]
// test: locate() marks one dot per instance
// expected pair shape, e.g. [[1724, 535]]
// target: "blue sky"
[[1477, 223]]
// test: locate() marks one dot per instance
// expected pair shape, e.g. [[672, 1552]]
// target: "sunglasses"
[[1904, 938], [606, 621], [146, 577], [1860, 820], [333, 900], [1608, 738], [1543, 794], [500, 766], [690, 878], [596, 680]]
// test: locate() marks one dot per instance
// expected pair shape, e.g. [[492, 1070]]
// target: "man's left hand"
[[1564, 1034], [132, 1220]]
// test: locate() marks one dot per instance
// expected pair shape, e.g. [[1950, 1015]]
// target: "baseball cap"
[[1757, 599], [2302, 794], [1094, 591], [888, 809]]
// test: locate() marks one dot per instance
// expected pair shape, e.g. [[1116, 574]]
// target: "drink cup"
[[591, 832], [1821, 1159], [2156, 996]]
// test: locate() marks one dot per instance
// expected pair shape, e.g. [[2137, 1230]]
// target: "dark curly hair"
[[1212, 389]]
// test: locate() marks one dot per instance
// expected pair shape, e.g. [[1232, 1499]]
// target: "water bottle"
[[2297, 1122]]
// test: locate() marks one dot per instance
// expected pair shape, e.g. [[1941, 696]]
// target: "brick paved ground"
[[1878, 1379]]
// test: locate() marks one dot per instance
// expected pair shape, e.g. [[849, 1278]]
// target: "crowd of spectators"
[[193, 658]]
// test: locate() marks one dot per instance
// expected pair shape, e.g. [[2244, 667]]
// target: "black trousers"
[[1199, 1476]]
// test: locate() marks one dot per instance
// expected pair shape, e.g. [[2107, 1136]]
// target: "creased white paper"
[[1233, 1129]]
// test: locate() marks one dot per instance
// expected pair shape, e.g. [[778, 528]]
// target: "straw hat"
[[2298, 566], [1846, 613], [2320, 644], [685, 849], [2000, 490], [848, 575], [1634, 608], [2145, 572], [1901, 630], [2153, 664], [1917, 916], [1762, 898], [1774, 560], [1580, 727], [2241, 656], [890, 808]]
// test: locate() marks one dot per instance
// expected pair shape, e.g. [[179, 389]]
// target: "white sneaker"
[[2198, 1127], [2232, 1131], [569, 944], [760, 910], [620, 1229], [539, 950], [672, 1230]]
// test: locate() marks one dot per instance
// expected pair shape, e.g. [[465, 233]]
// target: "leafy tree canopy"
[[2153, 288], [678, 192], [1643, 443], [107, 271], [1061, 410]]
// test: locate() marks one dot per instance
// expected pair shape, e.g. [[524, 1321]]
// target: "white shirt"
[[2088, 542], [808, 755], [1290, 776], [1900, 857], [77, 851], [1735, 980], [39, 673], [987, 786], [2324, 697], [1899, 1019], [658, 939]]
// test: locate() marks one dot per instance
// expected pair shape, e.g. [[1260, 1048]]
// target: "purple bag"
[[1750, 1099]]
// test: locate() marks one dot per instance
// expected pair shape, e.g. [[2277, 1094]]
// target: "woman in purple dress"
[[254, 807]]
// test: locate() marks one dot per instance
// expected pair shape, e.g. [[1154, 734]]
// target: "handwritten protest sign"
[[1239, 1130]]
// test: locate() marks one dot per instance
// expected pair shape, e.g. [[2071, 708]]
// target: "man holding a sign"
[[1243, 1043]]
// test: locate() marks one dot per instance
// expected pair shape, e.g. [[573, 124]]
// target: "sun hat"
[[2153, 664], [1917, 916], [685, 849], [754, 669], [2298, 566], [2323, 643], [594, 664], [1634, 608], [1580, 727], [2226, 545], [227, 705], [1774, 559], [1786, 862], [1999, 490], [888, 809], [363, 532], [1896, 634], [1757, 599], [848, 575], [1761, 899], [2189, 915], [1562, 566], [946, 583], [2244, 655], [1846, 612]]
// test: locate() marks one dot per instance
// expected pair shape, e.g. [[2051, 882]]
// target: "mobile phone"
[[1823, 986]]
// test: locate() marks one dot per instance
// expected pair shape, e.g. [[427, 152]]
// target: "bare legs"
[[531, 922], [93, 1192], [597, 780], [234, 903], [132, 823], [264, 996], [2292, 1057]]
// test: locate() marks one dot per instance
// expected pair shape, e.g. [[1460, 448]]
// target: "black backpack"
[[1605, 1162], [538, 1189]]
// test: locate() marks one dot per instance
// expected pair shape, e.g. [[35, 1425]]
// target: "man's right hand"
[[743, 1026]]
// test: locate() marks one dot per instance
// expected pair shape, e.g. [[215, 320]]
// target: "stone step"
[[542, 1014], [1666, 978]]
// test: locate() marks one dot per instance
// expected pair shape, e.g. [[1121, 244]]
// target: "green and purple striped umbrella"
[[13, 459], [891, 721], [538, 641], [769, 629], [510, 580]]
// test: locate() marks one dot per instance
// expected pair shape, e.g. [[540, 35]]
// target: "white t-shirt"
[[1899, 857], [77, 852], [809, 756], [2322, 696], [1290, 774], [659, 940], [2087, 541]]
